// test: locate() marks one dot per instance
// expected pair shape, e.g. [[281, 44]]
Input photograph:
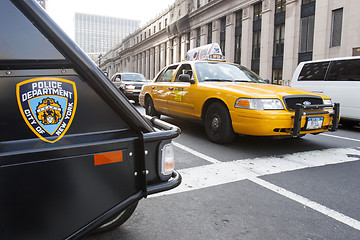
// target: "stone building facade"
[[270, 36]]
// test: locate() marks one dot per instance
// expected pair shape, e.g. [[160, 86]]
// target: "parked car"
[[75, 155], [130, 84], [229, 98], [338, 78]]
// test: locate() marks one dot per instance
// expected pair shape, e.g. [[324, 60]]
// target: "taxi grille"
[[291, 101]]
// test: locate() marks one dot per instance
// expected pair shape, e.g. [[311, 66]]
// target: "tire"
[[149, 108], [218, 125], [348, 123], [116, 221]]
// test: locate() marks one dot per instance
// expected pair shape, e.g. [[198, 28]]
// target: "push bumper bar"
[[300, 111], [163, 131]]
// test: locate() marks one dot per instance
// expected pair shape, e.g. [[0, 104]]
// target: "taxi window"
[[224, 72], [166, 76], [184, 69]]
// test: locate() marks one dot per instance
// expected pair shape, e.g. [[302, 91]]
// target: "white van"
[[338, 78]]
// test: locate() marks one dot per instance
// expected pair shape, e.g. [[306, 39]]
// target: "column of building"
[[147, 63], [216, 31], [291, 44], [157, 54], [151, 63], [246, 43], [267, 39], [229, 37]]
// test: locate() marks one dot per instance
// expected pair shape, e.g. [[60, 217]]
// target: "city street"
[[255, 188]]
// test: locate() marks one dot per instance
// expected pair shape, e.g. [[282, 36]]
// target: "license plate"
[[314, 123]]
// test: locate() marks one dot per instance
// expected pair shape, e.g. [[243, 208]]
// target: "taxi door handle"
[[171, 88]]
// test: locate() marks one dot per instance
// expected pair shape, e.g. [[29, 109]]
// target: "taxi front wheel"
[[218, 126], [149, 108]]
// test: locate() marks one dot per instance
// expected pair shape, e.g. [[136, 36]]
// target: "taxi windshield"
[[133, 77], [224, 72]]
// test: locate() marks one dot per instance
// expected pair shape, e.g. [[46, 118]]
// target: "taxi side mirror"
[[186, 78]]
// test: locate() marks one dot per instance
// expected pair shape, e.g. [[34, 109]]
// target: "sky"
[[62, 11]]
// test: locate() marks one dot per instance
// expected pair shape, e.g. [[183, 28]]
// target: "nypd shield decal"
[[47, 105]]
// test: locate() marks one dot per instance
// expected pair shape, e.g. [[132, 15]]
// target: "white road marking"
[[226, 172], [308, 203], [344, 138], [196, 153]]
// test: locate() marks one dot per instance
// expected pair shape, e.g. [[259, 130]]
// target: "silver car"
[[130, 84]]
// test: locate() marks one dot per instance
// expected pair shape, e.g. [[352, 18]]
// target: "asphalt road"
[[255, 188]]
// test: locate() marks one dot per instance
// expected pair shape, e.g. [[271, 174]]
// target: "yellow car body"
[[169, 94]]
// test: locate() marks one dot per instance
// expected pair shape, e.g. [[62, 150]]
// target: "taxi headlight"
[[167, 160], [259, 104], [327, 101]]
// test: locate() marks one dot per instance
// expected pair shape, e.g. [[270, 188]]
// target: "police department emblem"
[[47, 105]]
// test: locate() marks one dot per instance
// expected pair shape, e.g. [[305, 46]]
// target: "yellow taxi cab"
[[229, 99]]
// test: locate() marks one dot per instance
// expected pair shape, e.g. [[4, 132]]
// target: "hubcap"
[[215, 123]]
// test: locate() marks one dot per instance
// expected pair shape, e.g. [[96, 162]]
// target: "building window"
[[238, 30], [171, 52], [198, 37], [222, 34], [198, 3], [256, 45], [307, 1], [165, 22], [188, 41], [280, 6], [257, 11], [179, 48], [154, 29], [307, 34], [209, 35], [159, 26], [336, 27], [277, 76], [279, 40], [165, 55], [149, 32]]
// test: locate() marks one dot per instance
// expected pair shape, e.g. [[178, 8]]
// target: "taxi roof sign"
[[210, 51]]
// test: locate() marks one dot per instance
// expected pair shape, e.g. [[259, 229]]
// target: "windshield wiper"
[[216, 80], [243, 80]]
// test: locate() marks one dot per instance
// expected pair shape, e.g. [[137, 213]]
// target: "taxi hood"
[[258, 90]]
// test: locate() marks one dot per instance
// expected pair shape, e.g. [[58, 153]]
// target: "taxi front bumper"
[[283, 122]]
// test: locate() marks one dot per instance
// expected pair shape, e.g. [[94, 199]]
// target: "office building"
[[269, 36], [98, 34]]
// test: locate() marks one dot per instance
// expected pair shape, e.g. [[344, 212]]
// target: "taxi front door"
[[161, 88], [181, 97]]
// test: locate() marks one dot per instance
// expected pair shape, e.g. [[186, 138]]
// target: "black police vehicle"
[[75, 155]]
